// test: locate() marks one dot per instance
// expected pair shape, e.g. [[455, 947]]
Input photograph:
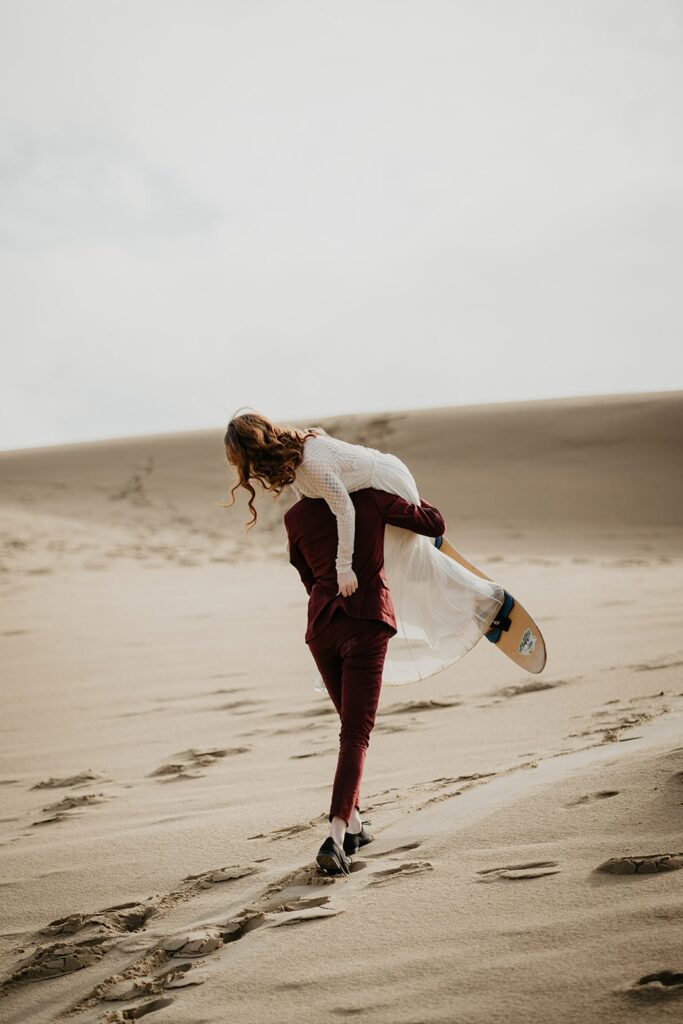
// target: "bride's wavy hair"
[[265, 451]]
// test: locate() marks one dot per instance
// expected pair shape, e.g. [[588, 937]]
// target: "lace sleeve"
[[331, 488]]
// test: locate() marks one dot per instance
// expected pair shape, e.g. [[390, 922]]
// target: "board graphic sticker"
[[527, 643], [520, 639]]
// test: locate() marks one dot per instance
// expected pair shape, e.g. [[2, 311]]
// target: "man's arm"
[[301, 565], [423, 518]]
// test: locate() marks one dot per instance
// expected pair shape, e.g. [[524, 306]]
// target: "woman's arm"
[[330, 487]]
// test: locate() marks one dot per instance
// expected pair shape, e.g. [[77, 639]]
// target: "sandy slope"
[[160, 725]]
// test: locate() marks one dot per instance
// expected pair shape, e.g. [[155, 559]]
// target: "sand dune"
[[166, 766], [576, 470]]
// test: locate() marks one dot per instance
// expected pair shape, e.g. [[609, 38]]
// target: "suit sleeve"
[[423, 518], [301, 565]]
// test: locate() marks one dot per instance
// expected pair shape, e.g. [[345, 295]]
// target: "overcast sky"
[[313, 208]]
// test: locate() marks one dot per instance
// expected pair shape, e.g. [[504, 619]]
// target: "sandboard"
[[522, 641]]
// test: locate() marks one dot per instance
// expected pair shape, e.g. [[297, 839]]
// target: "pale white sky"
[[314, 208]]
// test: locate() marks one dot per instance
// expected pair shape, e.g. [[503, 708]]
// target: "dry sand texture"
[[166, 767]]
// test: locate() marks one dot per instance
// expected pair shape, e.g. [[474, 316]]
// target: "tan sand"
[[166, 766]]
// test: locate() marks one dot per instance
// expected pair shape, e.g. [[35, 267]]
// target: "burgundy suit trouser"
[[350, 657]]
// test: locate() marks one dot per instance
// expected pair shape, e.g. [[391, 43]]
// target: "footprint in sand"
[[123, 918], [611, 731], [55, 960], [193, 760], [82, 779], [656, 666], [660, 985], [411, 706], [444, 787], [451, 780], [313, 753], [601, 794], [195, 943], [300, 879], [51, 821], [327, 710], [647, 864], [136, 1012], [69, 803], [291, 830], [303, 916], [518, 872], [287, 730], [217, 875], [286, 904], [391, 797], [239, 705], [532, 687], [390, 727], [176, 976], [391, 853], [397, 871]]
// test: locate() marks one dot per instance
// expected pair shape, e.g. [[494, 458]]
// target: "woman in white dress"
[[441, 608]]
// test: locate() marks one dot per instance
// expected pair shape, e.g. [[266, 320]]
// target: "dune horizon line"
[[562, 400]]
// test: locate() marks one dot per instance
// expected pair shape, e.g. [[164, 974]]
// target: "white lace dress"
[[442, 609]]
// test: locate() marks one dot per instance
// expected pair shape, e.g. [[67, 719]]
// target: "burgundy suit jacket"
[[312, 531]]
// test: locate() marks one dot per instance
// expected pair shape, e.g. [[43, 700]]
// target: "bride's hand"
[[348, 583]]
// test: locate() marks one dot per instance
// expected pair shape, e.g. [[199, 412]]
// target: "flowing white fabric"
[[441, 608]]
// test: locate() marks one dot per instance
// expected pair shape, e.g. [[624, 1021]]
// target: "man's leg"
[[363, 654], [325, 653], [324, 649]]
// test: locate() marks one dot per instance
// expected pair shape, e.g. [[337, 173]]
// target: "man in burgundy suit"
[[348, 636]]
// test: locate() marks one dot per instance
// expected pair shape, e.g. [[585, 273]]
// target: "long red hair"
[[265, 451]]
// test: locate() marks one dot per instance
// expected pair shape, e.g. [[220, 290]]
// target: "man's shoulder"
[[368, 501], [366, 494], [373, 496], [293, 511], [301, 507]]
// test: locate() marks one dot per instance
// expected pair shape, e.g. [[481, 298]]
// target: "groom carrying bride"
[[348, 636]]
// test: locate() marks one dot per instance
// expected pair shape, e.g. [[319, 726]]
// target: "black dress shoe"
[[354, 840], [332, 859]]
